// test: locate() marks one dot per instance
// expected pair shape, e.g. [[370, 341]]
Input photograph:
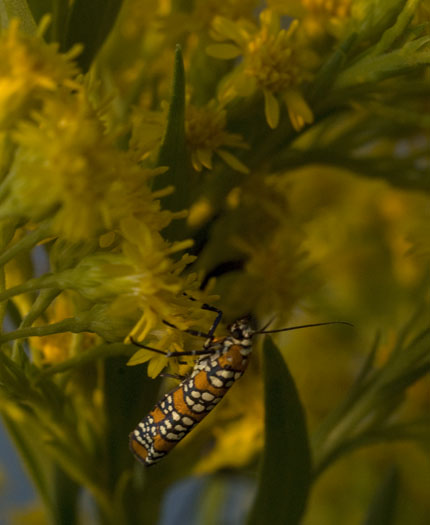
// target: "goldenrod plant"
[[268, 158]]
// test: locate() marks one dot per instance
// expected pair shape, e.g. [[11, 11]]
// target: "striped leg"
[[171, 354], [197, 333]]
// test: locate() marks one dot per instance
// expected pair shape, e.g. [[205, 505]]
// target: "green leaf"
[[65, 493], [17, 9], [174, 139], [372, 18], [373, 69], [353, 395], [101, 351], [38, 466], [328, 71], [285, 475], [399, 27], [89, 24], [382, 509], [128, 395], [173, 148]]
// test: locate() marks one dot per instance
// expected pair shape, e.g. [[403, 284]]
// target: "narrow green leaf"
[[352, 397], [173, 149], [79, 469], [175, 132], [17, 9], [382, 508], [60, 13], [66, 493], [13, 313], [211, 505], [327, 73], [397, 30], [89, 24], [285, 474], [373, 69], [101, 351], [37, 465]]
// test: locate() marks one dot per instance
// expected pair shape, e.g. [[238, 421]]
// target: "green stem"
[[352, 425], [26, 243], [6, 235], [66, 492], [36, 470], [43, 300], [45, 281], [3, 305], [59, 20], [391, 34], [101, 351], [71, 462], [66, 325]]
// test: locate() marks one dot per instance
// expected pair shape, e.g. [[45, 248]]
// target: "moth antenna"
[[266, 325], [301, 326]]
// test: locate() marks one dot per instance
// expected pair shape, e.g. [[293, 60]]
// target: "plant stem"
[[103, 350], [26, 243], [43, 300], [66, 325], [45, 281], [344, 431]]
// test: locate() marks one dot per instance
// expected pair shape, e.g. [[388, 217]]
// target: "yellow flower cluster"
[[68, 172], [319, 18], [30, 70], [273, 62], [64, 157], [206, 135]]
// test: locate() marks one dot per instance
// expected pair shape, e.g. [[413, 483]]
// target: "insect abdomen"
[[181, 409]]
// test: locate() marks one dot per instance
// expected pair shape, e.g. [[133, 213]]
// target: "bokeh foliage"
[[268, 157]]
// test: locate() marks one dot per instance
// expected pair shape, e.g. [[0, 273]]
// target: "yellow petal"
[[270, 21], [224, 51], [156, 366], [205, 157], [195, 161], [232, 161], [271, 109], [146, 323], [244, 84], [141, 356], [298, 110], [227, 29], [200, 211]]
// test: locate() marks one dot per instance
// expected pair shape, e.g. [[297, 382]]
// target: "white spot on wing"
[[215, 381], [207, 396], [225, 373]]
